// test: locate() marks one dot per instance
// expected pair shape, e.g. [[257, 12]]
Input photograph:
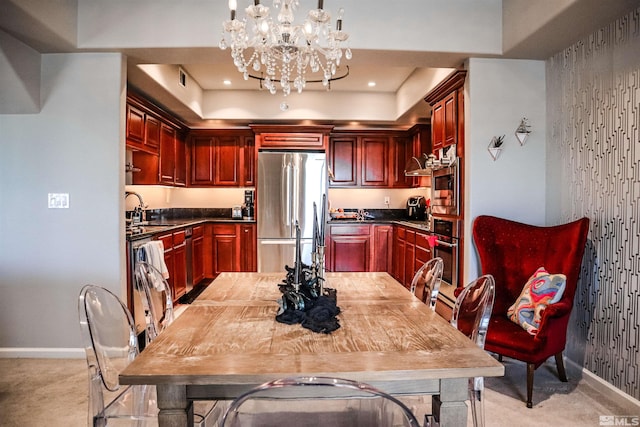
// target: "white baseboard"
[[604, 386], [41, 353]]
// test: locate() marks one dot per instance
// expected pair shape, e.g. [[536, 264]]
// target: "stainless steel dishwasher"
[[188, 234]]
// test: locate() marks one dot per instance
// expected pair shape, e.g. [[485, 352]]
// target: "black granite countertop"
[[419, 225], [164, 220], [163, 225]]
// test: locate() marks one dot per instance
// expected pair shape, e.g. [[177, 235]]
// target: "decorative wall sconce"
[[495, 146], [523, 131]]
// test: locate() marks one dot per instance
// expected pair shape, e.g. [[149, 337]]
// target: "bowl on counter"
[[343, 215]]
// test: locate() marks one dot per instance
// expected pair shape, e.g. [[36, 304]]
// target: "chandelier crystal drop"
[[281, 50]]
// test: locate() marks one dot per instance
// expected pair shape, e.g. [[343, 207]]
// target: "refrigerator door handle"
[[278, 242], [285, 193], [295, 211]]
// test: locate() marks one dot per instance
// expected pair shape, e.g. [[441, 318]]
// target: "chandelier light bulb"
[[280, 49]]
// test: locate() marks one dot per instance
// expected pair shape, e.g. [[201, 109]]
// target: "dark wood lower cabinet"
[[248, 248], [198, 257], [175, 257], [225, 253], [234, 247], [355, 247], [410, 252], [383, 245], [399, 244], [409, 258], [349, 248]]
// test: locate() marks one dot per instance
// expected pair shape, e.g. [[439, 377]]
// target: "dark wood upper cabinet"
[[226, 154], [157, 143], [402, 149], [201, 160], [343, 160], [135, 124], [248, 162], [180, 171], [374, 161], [152, 132], [447, 101], [292, 137], [167, 154], [372, 158], [222, 158], [143, 124], [450, 119], [437, 125], [173, 160]]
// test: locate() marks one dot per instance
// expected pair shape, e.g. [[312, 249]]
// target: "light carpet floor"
[[53, 392]]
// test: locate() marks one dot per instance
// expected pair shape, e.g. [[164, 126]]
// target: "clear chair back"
[[471, 314], [108, 333], [473, 307], [426, 282], [110, 342], [155, 295], [317, 401]]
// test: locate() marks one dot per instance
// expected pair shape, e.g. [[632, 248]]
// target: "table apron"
[[450, 389]]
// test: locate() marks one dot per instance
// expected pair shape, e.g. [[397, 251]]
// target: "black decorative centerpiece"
[[305, 299]]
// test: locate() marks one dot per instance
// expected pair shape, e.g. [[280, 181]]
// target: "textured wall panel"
[[593, 112]]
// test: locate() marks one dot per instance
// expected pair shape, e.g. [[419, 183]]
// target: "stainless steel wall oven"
[[447, 232], [445, 188]]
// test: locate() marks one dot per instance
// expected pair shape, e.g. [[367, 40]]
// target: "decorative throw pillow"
[[540, 290]]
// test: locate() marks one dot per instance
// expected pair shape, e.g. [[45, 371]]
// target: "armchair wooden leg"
[[562, 374], [531, 368], [499, 358]]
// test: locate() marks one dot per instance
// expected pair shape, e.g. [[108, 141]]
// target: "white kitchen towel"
[[155, 256]]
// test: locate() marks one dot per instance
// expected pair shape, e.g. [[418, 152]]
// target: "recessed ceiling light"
[[227, 82], [371, 84]]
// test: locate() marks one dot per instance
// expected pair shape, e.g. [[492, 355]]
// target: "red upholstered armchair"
[[511, 252]]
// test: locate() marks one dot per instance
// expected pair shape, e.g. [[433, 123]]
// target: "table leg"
[[449, 406], [175, 409]]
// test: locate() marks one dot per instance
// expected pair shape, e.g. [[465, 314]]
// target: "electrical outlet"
[[386, 200], [58, 200]]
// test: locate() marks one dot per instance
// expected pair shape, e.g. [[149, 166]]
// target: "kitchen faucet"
[[138, 215]]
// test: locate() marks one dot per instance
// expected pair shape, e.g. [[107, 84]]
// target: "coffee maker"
[[416, 208], [248, 208]]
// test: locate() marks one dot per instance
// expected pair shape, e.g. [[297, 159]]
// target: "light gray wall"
[[408, 25], [498, 94], [593, 154], [19, 77], [74, 145]]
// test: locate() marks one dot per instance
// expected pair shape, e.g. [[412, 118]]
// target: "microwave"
[[445, 188]]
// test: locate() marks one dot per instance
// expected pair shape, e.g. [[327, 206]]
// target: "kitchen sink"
[[145, 229]]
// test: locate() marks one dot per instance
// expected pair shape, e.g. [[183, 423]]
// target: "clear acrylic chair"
[[110, 343], [155, 295], [317, 401], [426, 282], [471, 314]]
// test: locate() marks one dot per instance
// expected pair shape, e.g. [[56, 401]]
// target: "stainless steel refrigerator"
[[288, 184]]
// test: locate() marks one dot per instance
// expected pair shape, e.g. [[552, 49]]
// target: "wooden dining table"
[[228, 341]]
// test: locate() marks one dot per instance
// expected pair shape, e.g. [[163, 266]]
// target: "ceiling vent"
[[182, 77]]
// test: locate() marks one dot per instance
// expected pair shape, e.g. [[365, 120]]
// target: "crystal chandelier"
[[283, 51]]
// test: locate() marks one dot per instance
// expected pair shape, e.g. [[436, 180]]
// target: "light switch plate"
[[58, 200]]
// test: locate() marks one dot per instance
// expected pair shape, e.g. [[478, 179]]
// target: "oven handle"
[[447, 244]]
